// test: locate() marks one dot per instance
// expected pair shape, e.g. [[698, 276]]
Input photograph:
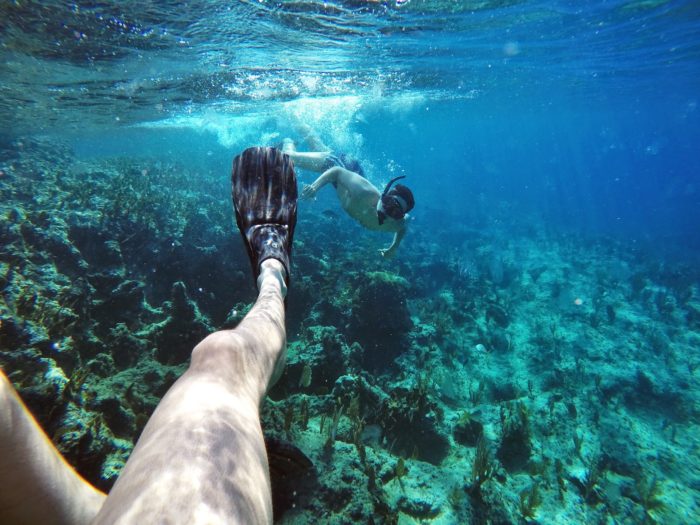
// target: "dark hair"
[[406, 195]]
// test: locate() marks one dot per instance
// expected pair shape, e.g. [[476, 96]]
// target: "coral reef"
[[550, 380]]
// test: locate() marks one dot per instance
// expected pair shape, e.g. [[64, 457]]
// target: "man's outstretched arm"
[[36, 483], [327, 177]]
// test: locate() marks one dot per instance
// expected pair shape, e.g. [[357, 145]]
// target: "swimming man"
[[378, 211]]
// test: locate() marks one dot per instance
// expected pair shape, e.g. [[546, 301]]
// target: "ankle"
[[272, 273], [288, 146]]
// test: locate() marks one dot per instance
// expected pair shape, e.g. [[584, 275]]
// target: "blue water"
[[581, 116], [552, 149]]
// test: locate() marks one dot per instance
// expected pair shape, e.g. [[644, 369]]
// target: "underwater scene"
[[529, 351]]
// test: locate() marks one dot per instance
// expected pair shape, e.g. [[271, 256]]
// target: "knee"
[[223, 340]]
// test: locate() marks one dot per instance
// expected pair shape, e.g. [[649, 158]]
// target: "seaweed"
[[400, 471], [515, 448], [483, 467], [590, 489], [578, 443], [332, 430], [649, 494], [476, 394], [559, 473], [305, 378], [304, 414], [530, 499]]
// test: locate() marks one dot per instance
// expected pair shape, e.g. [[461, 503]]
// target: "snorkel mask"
[[394, 202]]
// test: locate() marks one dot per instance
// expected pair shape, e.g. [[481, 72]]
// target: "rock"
[[419, 508], [126, 347], [467, 431], [95, 246], [120, 422], [412, 421], [11, 334], [323, 355], [497, 314], [57, 248], [381, 319], [125, 302], [182, 330]]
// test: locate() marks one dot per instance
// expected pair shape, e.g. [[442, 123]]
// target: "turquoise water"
[[586, 114], [550, 267]]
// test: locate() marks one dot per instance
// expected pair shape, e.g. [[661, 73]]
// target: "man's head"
[[395, 202]]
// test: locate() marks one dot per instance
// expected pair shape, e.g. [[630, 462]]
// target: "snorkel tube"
[[391, 183]]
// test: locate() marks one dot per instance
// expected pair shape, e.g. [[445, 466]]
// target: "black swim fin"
[[264, 190]]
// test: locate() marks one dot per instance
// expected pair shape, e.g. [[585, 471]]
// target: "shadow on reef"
[[380, 319]]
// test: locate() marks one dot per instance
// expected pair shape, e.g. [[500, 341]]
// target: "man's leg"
[[310, 138], [310, 160], [316, 160], [201, 457], [36, 484]]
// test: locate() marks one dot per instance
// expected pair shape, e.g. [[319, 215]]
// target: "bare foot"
[[288, 146]]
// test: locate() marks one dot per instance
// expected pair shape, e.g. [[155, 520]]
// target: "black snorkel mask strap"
[[381, 213], [391, 183]]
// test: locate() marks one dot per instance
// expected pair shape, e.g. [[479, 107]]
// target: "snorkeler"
[[201, 457], [379, 211]]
